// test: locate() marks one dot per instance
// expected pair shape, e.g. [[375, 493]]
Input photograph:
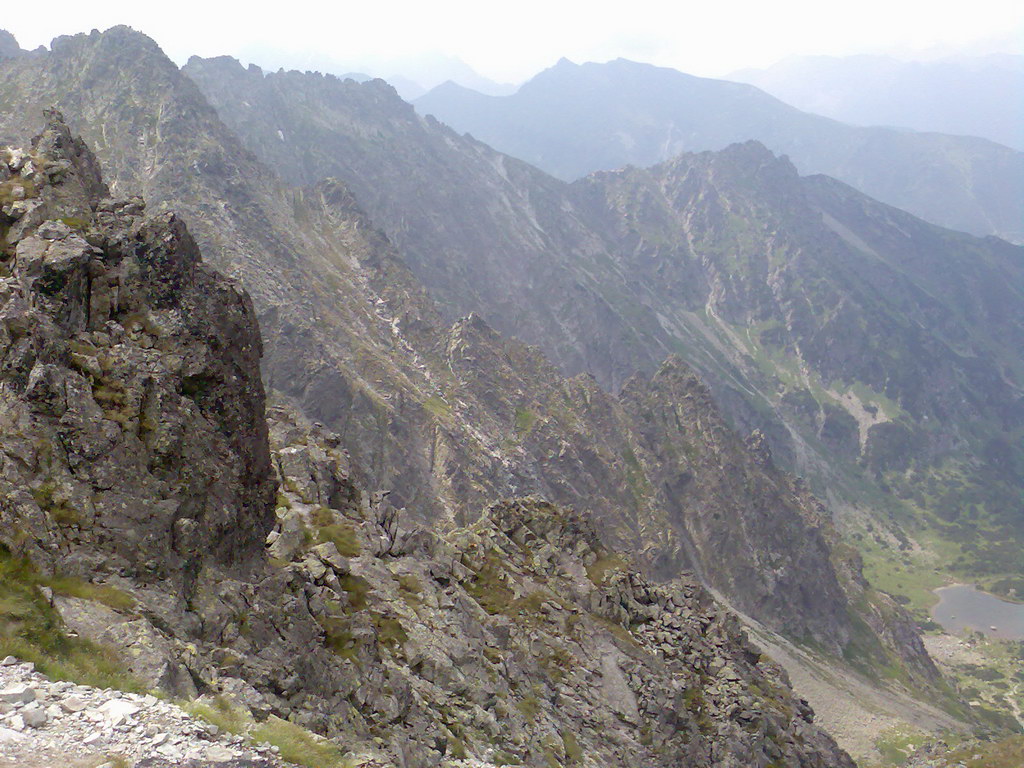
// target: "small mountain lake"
[[963, 605]]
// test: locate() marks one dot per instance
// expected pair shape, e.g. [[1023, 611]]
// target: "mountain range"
[[573, 119], [799, 300], [138, 469], [690, 321]]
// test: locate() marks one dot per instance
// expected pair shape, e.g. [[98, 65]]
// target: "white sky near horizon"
[[509, 42]]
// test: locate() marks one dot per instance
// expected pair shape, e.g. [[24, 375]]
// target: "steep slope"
[[973, 96], [884, 340], [799, 263], [131, 371], [482, 231], [574, 119], [867, 345], [319, 275]]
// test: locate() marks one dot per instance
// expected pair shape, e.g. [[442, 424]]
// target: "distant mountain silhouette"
[[573, 119], [976, 96]]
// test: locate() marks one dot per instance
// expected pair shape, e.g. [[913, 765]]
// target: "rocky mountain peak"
[[368, 609], [9, 47], [128, 367]]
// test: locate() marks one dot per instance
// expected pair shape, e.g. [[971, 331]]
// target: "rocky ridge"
[[571, 120], [448, 418], [771, 285]]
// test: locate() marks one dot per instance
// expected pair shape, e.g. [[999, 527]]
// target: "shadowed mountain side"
[[160, 530]]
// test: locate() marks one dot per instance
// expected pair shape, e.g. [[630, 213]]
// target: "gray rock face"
[[9, 47], [131, 386], [149, 656]]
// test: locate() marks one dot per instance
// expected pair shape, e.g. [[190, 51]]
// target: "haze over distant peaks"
[[412, 76], [573, 119], [971, 95], [8, 45]]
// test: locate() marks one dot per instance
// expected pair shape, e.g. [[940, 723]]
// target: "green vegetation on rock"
[[31, 630]]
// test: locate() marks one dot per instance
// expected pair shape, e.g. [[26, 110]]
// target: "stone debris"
[[52, 722]]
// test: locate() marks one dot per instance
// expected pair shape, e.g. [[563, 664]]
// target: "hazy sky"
[[510, 41]]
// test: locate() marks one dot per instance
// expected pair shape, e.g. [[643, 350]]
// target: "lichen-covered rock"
[[130, 396]]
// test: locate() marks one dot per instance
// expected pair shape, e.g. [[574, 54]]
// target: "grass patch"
[[76, 223], [525, 419], [329, 527], [1008, 753], [437, 407], [487, 587], [573, 752], [409, 588], [112, 597], [598, 571], [529, 707], [15, 189], [907, 574], [337, 637], [221, 713], [897, 743], [341, 535], [55, 505], [390, 633], [298, 745], [358, 589], [31, 630]]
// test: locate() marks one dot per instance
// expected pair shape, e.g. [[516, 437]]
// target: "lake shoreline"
[[966, 607]]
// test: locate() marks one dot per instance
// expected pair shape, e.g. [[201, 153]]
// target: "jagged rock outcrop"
[[521, 638], [748, 507], [130, 395]]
